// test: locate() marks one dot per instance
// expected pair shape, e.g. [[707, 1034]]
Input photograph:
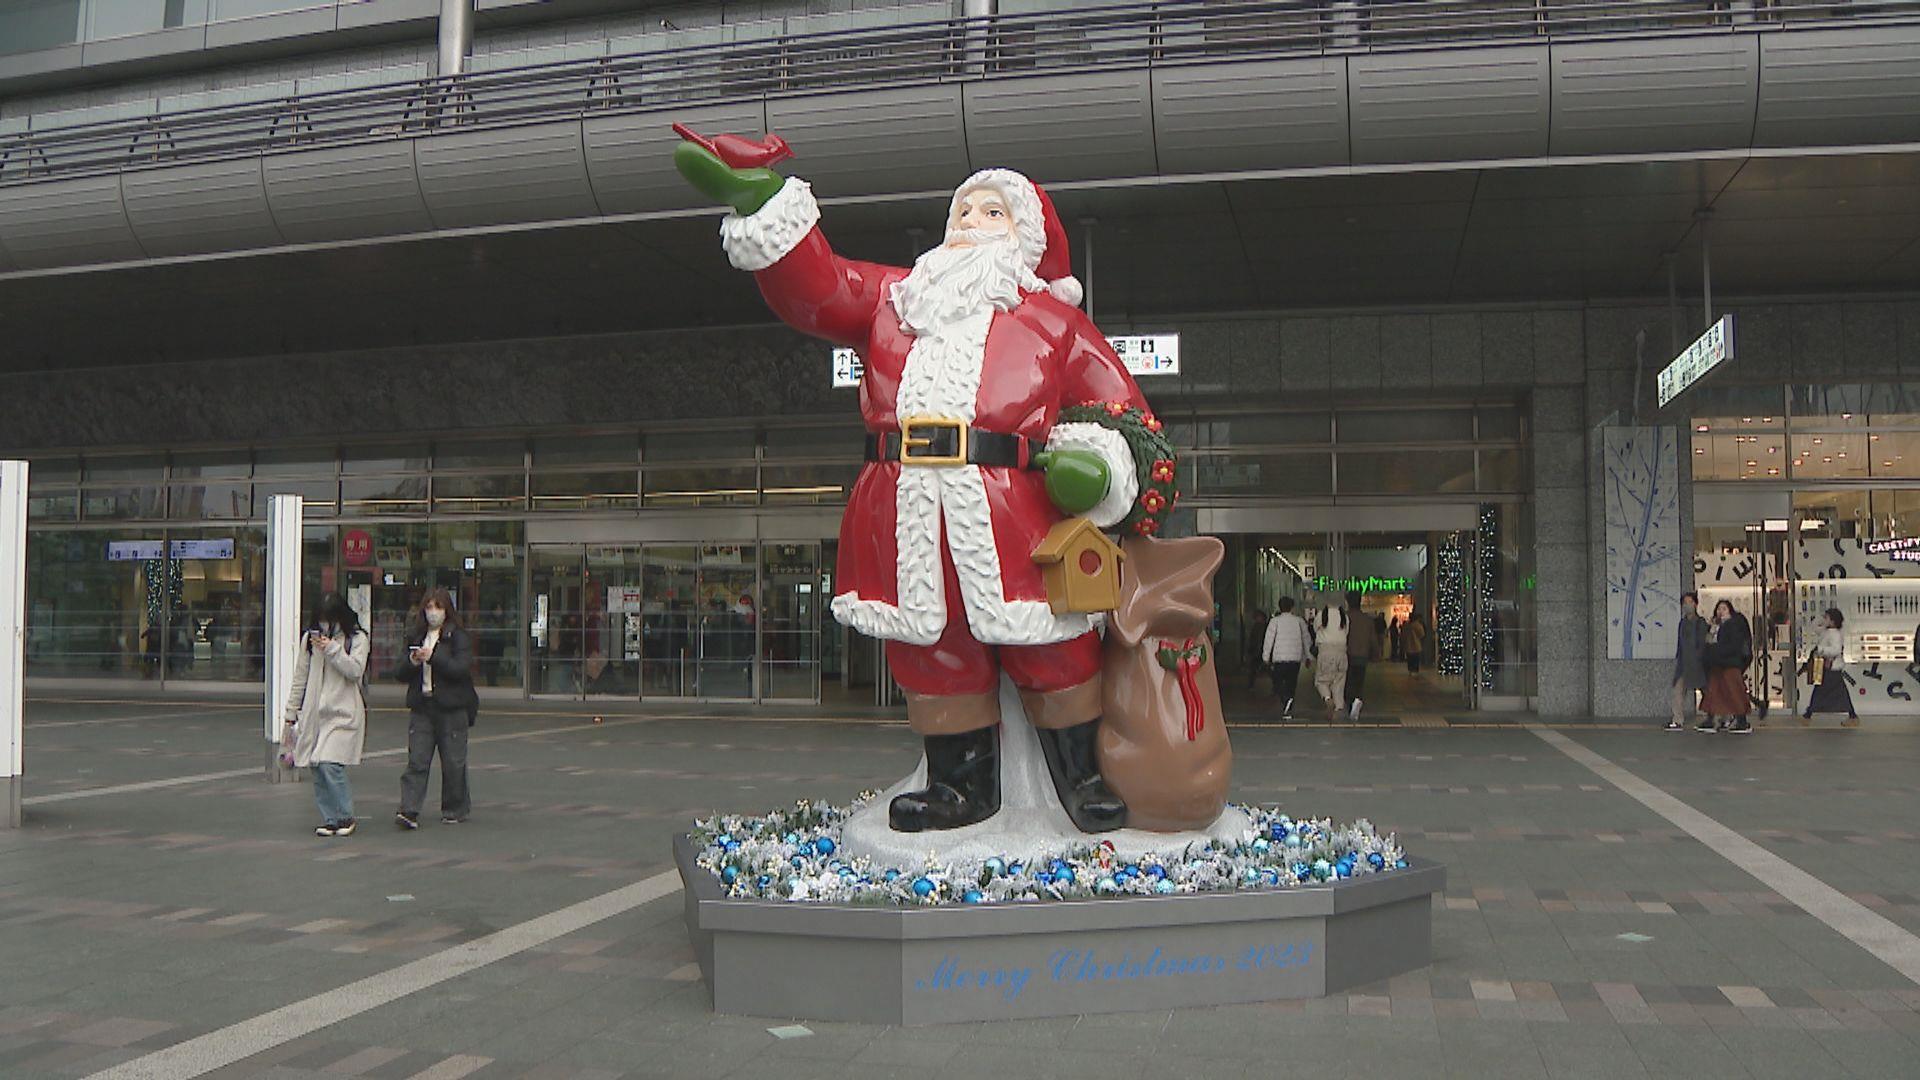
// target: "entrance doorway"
[[1465, 588], [674, 621]]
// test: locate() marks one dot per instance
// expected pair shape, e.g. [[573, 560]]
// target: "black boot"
[[963, 784], [1076, 776]]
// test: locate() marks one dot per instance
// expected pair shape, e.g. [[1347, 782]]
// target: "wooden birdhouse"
[[1080, 566]]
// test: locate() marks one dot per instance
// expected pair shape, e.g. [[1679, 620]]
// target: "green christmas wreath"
[[1154, 462]]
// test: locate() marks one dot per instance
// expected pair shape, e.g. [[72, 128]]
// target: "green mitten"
[[746, 190], [1076, 479]]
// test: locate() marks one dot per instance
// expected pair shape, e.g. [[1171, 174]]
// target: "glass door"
[[668, 595], [554, 641], [790, 622], [612, 625], [728, 615]]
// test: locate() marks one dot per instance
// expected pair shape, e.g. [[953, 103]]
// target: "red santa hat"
[[1043, 240]]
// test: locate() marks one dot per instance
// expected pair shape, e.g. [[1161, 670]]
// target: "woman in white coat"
[[328, 709], [1330, 657]]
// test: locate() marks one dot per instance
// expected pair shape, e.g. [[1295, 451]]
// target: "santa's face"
[[978, 266], [980, 212]]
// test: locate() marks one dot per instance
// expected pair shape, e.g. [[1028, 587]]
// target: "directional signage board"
[[1709, 351], [1144, 354]]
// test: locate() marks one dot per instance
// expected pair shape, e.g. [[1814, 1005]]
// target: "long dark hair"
[[442, 599], [1835, 619], [333, 610]]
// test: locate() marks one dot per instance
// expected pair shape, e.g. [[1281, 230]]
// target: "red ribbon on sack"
[[1184, 659]]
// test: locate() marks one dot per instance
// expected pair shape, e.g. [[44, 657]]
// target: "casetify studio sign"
[[1709, 351]]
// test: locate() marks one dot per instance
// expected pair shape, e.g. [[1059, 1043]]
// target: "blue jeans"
[[332, 792]]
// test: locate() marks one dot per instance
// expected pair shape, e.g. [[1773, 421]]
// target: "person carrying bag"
[[326, 710], [1825, 672]]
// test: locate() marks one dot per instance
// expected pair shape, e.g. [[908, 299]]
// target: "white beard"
[[950, 283]]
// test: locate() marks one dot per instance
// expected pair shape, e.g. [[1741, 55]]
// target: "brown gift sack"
[[1163, 742]]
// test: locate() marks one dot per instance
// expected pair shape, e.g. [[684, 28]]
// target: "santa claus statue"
[[970, 357]]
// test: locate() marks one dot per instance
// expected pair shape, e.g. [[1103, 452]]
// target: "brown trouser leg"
[[1051, 710], [951, 714]]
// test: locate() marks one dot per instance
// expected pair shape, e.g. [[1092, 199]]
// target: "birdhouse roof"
[[1070, 535]]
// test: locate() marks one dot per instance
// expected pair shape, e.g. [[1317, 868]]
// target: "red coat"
[[1002, 371]]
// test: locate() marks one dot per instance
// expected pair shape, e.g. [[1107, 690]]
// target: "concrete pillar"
[[284, 522], [13, 635], [976, 34], [456, 35]]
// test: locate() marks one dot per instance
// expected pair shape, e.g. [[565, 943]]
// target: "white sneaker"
[[1353, 711]]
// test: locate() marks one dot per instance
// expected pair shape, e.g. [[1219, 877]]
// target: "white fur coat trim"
[[1123, 484], [770, 233]]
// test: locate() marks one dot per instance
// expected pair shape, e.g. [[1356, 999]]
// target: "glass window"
[[623, 449], [52, 507], [1500, 422], [227, 466], [700, 487], [480, 454], [53, 472], [700, 446], [1259, 474], [38, 24], [1894, 455], [390, 458], [478, 562], [1427, 472], [392, 495], [587, 490], [133, 467], [320, 498], [115, 18], [1737, 455], [1854, 405], [1503, 470], [223, 500], [808, 483], [1746, 406], [217, 617], [1829, 456], [474, 494], [120, 503], [1844, 515], [89, 615], [1269, 429], [1407, 425], [844, 441], [298, 462]]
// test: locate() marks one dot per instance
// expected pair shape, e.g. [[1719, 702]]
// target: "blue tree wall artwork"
[[1643, 540]]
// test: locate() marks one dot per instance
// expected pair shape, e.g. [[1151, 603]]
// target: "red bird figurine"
[[738, 151]]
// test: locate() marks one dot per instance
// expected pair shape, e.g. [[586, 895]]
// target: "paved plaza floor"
[[167, 912]]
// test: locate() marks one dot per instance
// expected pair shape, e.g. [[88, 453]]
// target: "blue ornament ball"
[[893, 875], [792, 838], [1157, 872], [1260, 844], [730, 844], [1376, 860], [1163, 886], [1301, 870], [974, 896], [1277, 831], [1344, 870], [1107, 885], [824, 845], [922, 887], [995, 866], [1399, 864], [1044, 877], [730, 875], [1017, 869]]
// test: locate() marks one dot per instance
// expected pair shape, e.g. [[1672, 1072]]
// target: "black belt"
[[948, 442]]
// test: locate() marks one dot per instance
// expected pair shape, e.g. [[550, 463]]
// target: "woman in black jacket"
[[440, 694], [1729, 651]]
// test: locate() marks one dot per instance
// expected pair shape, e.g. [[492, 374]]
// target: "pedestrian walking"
[[1330, 635], [1729, 651], [327, 709], [443, 705], [1363, 644], [1287, 645], [1689, 660], [1413, 641], [1825, 670]]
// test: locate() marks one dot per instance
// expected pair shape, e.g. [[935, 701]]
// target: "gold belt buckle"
[[910, 441]]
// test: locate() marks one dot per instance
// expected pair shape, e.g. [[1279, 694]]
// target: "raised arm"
[[774, 233]]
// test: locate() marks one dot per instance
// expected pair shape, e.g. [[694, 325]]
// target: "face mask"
[[435, 617]]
